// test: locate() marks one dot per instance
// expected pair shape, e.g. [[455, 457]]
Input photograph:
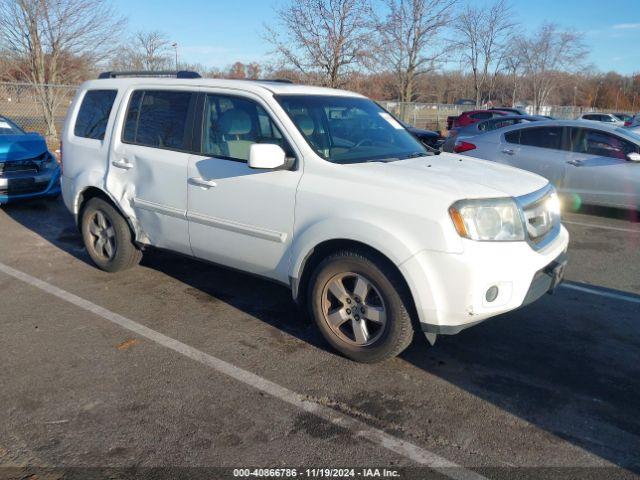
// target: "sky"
[[218, 33]]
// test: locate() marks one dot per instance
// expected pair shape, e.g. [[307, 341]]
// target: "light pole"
[[175, 46]]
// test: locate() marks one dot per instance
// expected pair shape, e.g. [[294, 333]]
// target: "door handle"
[[575, 163], [124, 164], [201, 182], [508, 151]]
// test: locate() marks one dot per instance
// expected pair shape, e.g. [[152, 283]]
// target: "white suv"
[[319, 189]]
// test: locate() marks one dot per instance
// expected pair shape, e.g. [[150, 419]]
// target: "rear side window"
[[94, 114], [543, 137], [481, 115], [159, 119]]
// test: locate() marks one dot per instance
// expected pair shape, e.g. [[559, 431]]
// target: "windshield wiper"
[[415, 155], [384, 160]]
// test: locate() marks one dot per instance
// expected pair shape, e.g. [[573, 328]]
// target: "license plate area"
[[18, 185]]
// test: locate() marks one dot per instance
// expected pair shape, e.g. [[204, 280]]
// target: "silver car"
[[594, 163], [609, 118], [456, 136]]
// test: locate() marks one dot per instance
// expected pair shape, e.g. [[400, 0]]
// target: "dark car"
[[427, 137], [514, 111], [27, 168], [473, 116]]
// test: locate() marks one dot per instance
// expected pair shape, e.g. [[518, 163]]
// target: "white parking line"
[[357, 428], [595, 291], [605, 227]]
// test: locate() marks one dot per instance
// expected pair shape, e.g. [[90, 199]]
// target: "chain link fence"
[[42, 109], [433, 116], [37, 108]]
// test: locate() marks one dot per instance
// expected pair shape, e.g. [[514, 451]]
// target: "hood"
[[21, 147], [454, 176]]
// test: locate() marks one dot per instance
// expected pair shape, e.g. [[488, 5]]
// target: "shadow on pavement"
[[568, 364], [606, 212]]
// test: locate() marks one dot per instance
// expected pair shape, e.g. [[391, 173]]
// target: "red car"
[[473, 116]]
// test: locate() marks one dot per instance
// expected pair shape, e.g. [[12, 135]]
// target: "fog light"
[[492, 294]]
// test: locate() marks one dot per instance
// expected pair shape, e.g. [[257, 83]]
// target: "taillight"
[[463, 147], [627, 123]]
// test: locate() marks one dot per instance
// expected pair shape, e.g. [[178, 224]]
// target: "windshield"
[[350, 129], [7, 127]]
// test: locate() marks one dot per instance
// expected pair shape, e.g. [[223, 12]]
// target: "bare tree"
[[42, 38], [154, 48], [513, 67], [545, 55], [327, 38], [237, 70], [253, 71], [145, 50], [482, 34], [409, 40]]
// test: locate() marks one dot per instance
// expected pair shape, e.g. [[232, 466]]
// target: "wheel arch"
[[90, 192]]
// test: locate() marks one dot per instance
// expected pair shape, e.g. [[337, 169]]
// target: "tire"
[[386, 299], [100, 220]]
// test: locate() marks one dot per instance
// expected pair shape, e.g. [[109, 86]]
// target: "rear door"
[[536, 149], [149, 160], [599, 172]]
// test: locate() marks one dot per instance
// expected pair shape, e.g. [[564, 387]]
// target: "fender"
[[386, 242], [391, 245], [95, 179]]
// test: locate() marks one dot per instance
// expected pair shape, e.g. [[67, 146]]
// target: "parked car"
[[624, 117], [594, 163], [513, 111], [456, 141], [27, 168], [634, 122], [472, 116], [428, 137], [602, 117], [318, 189]]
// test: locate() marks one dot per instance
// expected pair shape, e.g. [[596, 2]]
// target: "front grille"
[[31, 165], [541, 219], [23, 189]]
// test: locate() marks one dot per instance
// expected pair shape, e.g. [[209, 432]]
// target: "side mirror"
[[634, 157], [266, 156]]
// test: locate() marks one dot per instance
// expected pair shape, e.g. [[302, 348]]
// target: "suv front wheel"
[[107, 237], [359, 304]]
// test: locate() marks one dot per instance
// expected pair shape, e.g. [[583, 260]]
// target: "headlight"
[[553, 203], [487, 220]]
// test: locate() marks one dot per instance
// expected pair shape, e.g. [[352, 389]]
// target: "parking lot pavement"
[[554, 384]]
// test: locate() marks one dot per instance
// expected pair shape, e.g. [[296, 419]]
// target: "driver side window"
[[602, 144], [232, 124]]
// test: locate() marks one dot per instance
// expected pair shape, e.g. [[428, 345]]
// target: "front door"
[[148, 166], [599, 171], [238, 216]]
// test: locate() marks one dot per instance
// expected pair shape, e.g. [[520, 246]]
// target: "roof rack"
[[277, 80], [150, 73]]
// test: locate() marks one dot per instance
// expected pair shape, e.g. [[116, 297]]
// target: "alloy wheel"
[[354, 309], [103, 236]]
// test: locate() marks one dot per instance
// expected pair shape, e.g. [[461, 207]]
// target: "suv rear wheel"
[[358, 302], [107, 237]]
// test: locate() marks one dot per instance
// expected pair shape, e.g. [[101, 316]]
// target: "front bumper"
[[23, 187], [450, 290]]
